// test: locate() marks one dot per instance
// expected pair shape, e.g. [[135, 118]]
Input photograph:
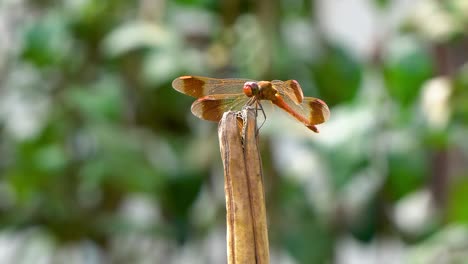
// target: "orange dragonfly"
[[216, 96]]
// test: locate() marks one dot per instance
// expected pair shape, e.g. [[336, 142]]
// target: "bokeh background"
[[101, 160]]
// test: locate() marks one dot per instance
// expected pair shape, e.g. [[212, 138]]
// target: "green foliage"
[[382, 3], [89, 121], [407, 67], [406, 174], [366, 227], [99, 102], [301, 232], [47, 42], [458, 195], [459, 96], [337, 75]]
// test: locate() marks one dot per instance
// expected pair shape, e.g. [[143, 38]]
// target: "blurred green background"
[[101, 160]]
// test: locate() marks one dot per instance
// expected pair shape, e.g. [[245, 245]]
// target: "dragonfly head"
[[251, 89]]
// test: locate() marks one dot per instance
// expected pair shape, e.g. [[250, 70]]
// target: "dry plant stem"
[[247, 236]]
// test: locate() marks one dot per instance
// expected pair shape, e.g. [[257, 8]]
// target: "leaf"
[[50, 158], [457, 211], [301, 233], [134, 36], [337, 75], [382, 3], [99, 101], [407, 66], [47, 42], [406, 173], [459, 96]]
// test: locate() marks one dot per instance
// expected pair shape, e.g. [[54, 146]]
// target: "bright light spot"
[[414, 213], [435, 101]]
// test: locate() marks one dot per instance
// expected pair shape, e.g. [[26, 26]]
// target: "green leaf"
[[337, 75], [134, 36], [51, 158], [407, 66], [47, 42], [177, 198], [406, 173], [382, 3], [365, 227], [457, 211], [99, 101], [119, 160], [459, 96], [305, 238]]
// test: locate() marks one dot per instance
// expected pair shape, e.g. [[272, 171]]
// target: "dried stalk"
[[247, 236]]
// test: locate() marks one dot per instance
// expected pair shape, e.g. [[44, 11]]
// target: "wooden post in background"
[[247, 235]]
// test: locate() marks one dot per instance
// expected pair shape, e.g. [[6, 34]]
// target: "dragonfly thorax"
[[262, 90]]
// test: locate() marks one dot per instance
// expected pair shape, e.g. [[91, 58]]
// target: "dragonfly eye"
[[250, 88]]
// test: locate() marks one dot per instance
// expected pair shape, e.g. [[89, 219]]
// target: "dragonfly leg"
[[260, 107], [250, 102]]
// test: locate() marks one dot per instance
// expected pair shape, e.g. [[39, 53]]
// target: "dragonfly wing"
[[314, 110], [212, 107], [198, 86], [289, 88]]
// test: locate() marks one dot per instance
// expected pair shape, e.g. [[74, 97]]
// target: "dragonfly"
[[216, 96]]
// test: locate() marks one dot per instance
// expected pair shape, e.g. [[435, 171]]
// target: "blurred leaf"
[[250, 53], [306, 238], [350, 159], [119, 161], [37, 164], [459, 96], [177, 198], [302, 8], [337, 75], [407, 172], [208, 4], [180, 193], [407, 66], [382, 3], [47, 42], [437, 140], [457, 211], [92, 20], [134, 36], [160, 68], [99, 101], [365, 227], [448, 245], [51, 158]]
